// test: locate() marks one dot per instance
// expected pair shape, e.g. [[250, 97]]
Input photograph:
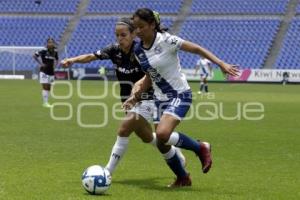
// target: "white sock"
[[117, 153], [170, 153], [174, 138], [45, 95], [153, 142]]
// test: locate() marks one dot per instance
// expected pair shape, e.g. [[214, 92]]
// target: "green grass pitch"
[[42, 158]]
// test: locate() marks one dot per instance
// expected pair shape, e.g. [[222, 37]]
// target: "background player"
[[204, 65], [47, 60]]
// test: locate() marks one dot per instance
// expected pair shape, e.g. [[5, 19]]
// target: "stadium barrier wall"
[[249, 75]]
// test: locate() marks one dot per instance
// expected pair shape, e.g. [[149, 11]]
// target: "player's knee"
[[146, 140], [124, 131], [162, 136]]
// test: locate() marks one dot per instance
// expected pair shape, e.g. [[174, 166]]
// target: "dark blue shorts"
[[177, 106]]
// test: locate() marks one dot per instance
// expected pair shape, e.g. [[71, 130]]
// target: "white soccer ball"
[[96, 179]]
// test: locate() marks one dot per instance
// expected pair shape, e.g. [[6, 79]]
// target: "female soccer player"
[[47, 60], [205, 68], [157, 55], [128, 72]]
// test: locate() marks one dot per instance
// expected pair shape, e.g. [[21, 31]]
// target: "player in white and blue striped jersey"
[[157, 55], [204, 65]]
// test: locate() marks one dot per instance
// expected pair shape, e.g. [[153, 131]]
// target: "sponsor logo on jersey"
[[127, 71], [174, 41], [154, 75], [49, 57], [157, 49]]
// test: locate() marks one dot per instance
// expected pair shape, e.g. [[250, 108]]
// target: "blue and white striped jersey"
[[162, 63]]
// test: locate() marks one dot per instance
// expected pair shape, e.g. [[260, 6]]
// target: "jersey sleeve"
[[105, 53], [38, 53], [198, 63], [174, 42]]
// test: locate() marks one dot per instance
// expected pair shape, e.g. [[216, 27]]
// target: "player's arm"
[[56, 60], [139, 87], [197, 49], [86, 58], [38, 59]]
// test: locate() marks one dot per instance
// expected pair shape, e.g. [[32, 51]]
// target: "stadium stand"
[[244, 42], [94, 33], [28, 6], [298, 8], [117, 6], [28, 31], [239, 6], [289, 56]]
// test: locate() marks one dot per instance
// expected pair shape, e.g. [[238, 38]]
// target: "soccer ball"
[[96, 179]]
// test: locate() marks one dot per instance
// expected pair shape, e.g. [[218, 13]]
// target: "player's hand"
[[129, 103], [66, 62], [42, 67], [230, 69]]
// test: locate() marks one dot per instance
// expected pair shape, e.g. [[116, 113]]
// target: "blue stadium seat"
[[49, 6], [239, 6], [242, 42], [94, 33], [129, 6], [298, 8], [28, 31], [289, 56]]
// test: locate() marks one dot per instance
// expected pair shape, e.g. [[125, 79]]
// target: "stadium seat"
[[28, 31], [95, 33], [129, 6], [28, 6], [243, 42], [289, 56], [238, 7]]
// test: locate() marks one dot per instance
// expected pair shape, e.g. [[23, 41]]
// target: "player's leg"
[[201, 85], [126, 128], [201, 149], [205, 84], [45, 94], [172, 158], [171, 117], [144, 112], [46, 84], [132, 122]]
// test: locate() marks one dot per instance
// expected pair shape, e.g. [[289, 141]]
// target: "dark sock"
[[206, 87], [175, 165], [188, 143], [201, 87]]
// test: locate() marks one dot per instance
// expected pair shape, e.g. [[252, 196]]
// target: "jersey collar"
[[151, 43]]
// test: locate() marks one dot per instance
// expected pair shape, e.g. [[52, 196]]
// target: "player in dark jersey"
[[128, 70], [47, 60]]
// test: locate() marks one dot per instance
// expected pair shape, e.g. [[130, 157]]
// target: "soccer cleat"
[[181, 182], [181, 157], [47, 105], [205, 156]]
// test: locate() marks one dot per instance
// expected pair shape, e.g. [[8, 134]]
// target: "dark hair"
[[126, 21], [150, 17], [50, 39]]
